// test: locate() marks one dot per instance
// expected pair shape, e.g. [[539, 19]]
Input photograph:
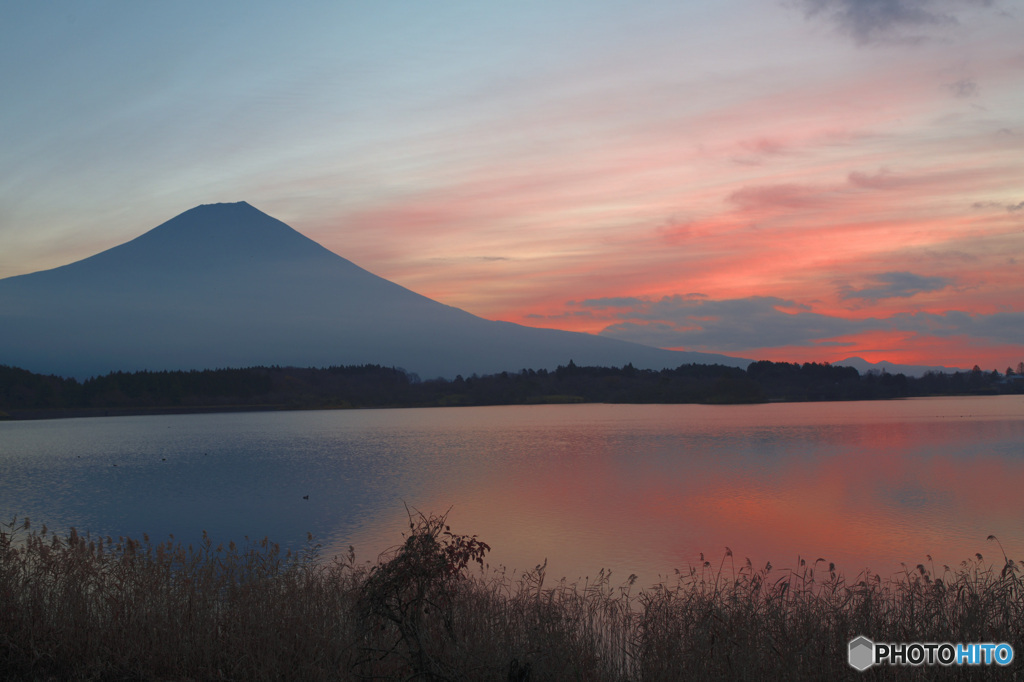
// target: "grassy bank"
[[74, 607]]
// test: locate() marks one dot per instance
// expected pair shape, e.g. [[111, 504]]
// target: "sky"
[[791, 180]]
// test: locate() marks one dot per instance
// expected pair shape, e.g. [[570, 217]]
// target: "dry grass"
[[74, 607]]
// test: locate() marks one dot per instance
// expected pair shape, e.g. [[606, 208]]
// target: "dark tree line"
[[25, 394]]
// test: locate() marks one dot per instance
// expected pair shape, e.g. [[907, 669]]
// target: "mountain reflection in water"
[[633, 488]]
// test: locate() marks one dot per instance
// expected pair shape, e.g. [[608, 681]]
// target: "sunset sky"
[[776, 179]]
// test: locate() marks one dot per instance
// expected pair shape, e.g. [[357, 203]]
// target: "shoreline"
[[42, 414]]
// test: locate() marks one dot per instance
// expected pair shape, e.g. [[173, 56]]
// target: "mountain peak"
[[239, 204], [222, 211], [208, 236], [239, 217]]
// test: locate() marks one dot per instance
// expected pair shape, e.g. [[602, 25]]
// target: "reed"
[[80, 607]]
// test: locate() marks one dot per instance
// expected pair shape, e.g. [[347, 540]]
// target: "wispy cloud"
[[996, 327], [788, 196], [457, 259], [895, 285], [1010, 208], [731, 325], [764, 322], [963, 88], [879, 21], [610, 302]]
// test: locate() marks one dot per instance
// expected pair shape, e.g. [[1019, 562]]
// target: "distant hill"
[[225, 285], [863, 366]]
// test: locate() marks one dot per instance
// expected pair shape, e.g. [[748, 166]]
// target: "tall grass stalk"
[[80, 607]]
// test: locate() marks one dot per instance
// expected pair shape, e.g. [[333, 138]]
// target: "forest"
[[26, 395]]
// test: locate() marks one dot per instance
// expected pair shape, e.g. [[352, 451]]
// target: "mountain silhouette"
[[226, 285], [863, 366]]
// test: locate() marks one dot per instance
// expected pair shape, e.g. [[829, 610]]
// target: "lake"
[[632, 488]]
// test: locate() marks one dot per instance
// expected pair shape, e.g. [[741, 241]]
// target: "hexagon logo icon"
[[862, 653]]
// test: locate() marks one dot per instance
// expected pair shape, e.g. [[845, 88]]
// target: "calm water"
[[634, 488]]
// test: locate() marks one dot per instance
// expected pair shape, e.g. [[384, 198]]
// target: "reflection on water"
[[635, 488]]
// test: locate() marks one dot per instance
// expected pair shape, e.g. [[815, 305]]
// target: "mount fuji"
[[226, 285]]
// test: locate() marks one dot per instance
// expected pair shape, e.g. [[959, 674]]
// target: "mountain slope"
[[225, 285], [863, 366]]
